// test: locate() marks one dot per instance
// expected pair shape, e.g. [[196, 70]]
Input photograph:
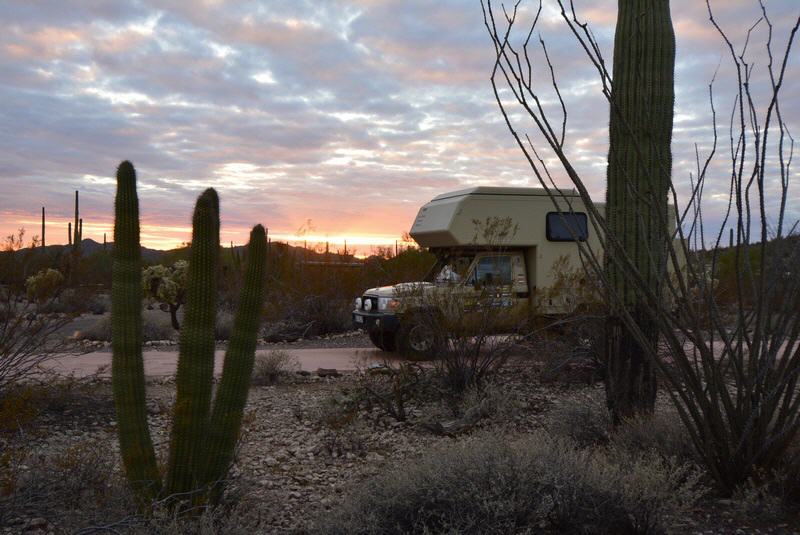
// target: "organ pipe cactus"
[[196, 361], [127, 367], [226, 417], [639, 174], [202, 440]]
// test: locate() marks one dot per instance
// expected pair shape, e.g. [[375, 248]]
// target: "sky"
[[322, 120]]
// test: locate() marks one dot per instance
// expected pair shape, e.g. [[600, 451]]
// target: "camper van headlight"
[[388, 303], [358, 303]]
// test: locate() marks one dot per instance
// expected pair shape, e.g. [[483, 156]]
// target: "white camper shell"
[[455, 220]]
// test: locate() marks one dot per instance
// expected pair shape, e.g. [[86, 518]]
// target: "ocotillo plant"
[[639, 173], [202, 441]]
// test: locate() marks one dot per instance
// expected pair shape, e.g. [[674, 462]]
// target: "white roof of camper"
[[458, 218], [498, 190]]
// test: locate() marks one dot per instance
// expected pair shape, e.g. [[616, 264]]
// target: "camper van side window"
[[561, 226]]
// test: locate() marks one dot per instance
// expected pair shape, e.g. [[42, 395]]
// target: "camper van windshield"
[[453, 269]]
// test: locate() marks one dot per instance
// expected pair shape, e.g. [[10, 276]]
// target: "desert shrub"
[[238, 517], [335, 411], [768, 495], [18, 407], [661, 432], [155, 327], [336, 421], [491, 485], [274, 367], [587, 420], [71, 301], [391, 388], [79, 490], [29, 336], [99, 331], [70, 487], [570, 348], [323, 315], [44, 285], [464, 413], [584, 419], [54, 397]]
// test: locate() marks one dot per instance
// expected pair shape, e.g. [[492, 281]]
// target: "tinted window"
[[561, 226], [492, 271]]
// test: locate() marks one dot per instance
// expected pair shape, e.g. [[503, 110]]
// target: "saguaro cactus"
[[77, 228], [639, 174], [202, 441]]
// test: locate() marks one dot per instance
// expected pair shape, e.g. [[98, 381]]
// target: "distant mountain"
[[89, 246]]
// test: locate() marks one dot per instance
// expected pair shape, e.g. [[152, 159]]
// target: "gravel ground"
[[296, 468]]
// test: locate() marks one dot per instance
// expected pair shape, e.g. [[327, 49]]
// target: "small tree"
[[167, 286]]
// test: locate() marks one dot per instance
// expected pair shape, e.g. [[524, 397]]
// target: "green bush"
[[491, 485]]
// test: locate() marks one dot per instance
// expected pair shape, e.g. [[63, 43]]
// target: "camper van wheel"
[[382, 340], [416, 339]]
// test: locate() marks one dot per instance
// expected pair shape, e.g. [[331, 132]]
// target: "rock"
[[37, 523], [328, 372]]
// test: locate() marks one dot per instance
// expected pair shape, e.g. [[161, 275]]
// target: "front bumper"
[[375, 321]]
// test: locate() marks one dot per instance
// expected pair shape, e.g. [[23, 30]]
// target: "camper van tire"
[[383, 340], [416, 338]]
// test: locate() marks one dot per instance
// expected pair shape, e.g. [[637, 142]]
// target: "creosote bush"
[[491, 485]]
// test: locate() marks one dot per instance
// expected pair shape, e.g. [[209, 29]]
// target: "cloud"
[[349, 112]]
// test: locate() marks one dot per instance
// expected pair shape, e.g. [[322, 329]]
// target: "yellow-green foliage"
[[165, 284], [43, 285]]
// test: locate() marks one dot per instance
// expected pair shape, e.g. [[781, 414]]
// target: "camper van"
[[510, 242]]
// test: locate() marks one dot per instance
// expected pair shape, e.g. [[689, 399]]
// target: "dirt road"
[[163, 362]]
